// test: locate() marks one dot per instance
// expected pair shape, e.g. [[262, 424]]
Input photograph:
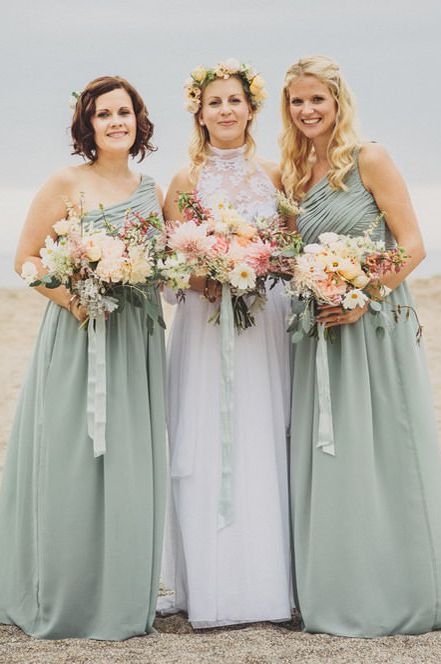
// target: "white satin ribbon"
[[225, 506], [325, 426], [96, 384]]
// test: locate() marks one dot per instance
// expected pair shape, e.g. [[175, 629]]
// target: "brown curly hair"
[[81, 127]]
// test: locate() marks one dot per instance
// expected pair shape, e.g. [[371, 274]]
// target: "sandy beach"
[[176, 641]]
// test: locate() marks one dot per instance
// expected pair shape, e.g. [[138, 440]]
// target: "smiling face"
[[225, 112], [114, 122], [312, 107]]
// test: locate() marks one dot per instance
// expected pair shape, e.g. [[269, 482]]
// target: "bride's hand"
[[212, 290], [331, 316]]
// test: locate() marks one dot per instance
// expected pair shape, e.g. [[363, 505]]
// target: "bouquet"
[[344, 271], [221, 245], [104, 266]]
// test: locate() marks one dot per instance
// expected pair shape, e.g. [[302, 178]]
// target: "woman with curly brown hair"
[[80, 537]]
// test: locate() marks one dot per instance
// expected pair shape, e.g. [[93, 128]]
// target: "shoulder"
[[375, 165], [181, 181], [64, 185], [372, 154], [272, 170], [64, 180]]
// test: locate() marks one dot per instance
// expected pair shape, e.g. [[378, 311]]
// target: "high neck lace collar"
[[226, 153], [228, 176]]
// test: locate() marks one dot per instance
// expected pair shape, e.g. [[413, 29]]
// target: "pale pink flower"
[[191, 240], [259, 257], [330, 290]]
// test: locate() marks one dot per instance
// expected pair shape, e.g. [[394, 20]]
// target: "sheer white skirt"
[[241, 573]]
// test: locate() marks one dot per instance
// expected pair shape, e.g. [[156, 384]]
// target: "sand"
[[176, 641]]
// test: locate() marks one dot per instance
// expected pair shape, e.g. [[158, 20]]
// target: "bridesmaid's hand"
[[80, 313], [331, 316]]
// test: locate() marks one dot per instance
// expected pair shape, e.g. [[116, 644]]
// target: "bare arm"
[[48, 206], [180, 183], [381, 177]]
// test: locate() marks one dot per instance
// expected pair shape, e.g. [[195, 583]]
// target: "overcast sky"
[[389, 52]]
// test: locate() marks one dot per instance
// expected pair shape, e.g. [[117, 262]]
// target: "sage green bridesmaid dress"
[[81, 537], [367, 521]]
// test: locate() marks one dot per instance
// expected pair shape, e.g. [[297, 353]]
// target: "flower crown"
[[253, 83]]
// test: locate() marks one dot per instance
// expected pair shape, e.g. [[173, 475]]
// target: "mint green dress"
[[81, 537], [367, 522]]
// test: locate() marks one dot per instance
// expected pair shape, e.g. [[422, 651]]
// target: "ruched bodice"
[[143, 201], [349, 212]]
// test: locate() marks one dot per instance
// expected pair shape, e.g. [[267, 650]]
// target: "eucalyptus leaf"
[[375, 306], [307, 320], [293, 323], [297, 306], [297, 336], [50, 282]]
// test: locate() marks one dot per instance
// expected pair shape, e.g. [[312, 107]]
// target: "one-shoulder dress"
[[81, 537], [367, 522]]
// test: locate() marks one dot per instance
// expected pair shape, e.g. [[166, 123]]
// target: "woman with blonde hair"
[[366, 520], [234, 568]]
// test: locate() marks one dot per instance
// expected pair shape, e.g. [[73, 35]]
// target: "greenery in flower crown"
[[73, 99], [253, 83]]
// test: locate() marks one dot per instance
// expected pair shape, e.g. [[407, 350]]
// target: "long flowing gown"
[[367, 522], [239, 573], [81, 537]]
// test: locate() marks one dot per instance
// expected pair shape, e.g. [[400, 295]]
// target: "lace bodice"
[[228, 176]]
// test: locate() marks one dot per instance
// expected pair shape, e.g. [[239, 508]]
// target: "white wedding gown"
[[240, 573]]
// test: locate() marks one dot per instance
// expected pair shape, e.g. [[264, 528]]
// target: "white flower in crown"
[[230, 66], [198, 74], [355, 298]]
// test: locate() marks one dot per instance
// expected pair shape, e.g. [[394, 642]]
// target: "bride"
[[240, 572]]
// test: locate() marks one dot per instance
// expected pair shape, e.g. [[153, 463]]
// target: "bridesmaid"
[[237, 570], [80, 537], [367, 524]]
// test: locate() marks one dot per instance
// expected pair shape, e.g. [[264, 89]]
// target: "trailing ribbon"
[[325, 427], [225, 506], [96, 384]]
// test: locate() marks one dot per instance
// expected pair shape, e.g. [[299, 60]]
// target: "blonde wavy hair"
[[297, 151], [198, 149]]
